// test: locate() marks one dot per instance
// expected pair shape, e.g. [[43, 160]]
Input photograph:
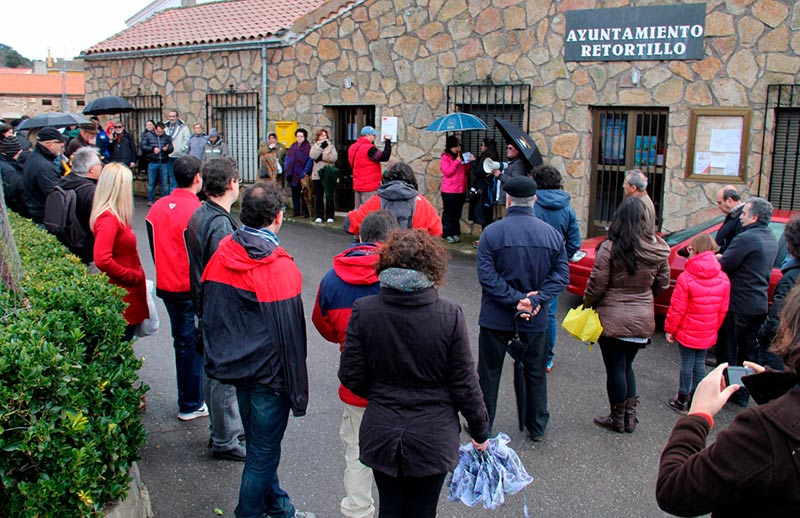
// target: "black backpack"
[[61, 219]]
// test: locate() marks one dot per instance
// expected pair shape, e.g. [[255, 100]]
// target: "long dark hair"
[[450, 143], [787, 338], [491, 150], [626, 231]]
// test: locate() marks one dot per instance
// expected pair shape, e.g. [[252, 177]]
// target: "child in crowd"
[[698, 306]]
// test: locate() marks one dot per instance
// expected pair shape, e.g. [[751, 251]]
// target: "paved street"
[[580, 470]]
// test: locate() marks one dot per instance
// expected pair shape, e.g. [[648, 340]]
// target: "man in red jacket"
[[365, 161], [166, 223], [352, 277]]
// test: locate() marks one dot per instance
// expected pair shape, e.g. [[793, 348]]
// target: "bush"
[[69, 420]]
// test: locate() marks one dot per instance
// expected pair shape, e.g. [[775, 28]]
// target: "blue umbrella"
[[456, 122]]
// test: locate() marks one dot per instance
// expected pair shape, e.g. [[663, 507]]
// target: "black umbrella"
[[108, 105], [520, 140], [516, 348], [53, 120]]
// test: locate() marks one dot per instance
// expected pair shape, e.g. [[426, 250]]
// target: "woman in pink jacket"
[[454, 189], [696, 311]]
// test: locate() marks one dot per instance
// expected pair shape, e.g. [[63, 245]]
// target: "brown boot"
[[615, 420], [630, 414]]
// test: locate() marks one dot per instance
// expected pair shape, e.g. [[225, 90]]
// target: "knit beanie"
[[10, 146]]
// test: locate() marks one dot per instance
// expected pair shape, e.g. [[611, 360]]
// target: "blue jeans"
[[265, 414], [492, 352], [171, 174], [552, 308], [157, 172], [188, 364], [693, 369]]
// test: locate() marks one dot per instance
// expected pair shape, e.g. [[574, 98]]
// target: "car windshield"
[[679, 236]]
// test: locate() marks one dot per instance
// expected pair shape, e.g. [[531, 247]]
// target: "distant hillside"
[[12, 59]]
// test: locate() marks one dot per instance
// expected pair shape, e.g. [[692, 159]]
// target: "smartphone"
[[733, 375]]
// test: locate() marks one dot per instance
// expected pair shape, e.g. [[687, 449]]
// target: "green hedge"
[[69, 421]]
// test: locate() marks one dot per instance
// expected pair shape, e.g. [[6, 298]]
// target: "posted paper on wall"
[[389, 127]]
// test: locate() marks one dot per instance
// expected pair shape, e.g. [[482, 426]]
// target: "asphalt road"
[[579, 469]]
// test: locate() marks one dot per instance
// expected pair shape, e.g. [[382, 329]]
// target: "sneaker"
[[549, 366], [304, 514], [678, 407], [200, 412], [450, 239], [457, 239], [237, 454], [330, 220], [318, 220]]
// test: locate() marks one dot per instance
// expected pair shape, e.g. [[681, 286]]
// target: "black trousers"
[[452, 206], [323, 201], [299, 206], [618, 357], [737, 342], [405, 497]]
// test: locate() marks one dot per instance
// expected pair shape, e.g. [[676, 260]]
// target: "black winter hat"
[[46, 134], [10, 146]]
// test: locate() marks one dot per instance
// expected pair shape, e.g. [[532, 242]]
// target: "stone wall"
[[13, 106], [402, 54]]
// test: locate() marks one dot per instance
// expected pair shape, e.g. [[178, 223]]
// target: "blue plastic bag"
[[487, 476]]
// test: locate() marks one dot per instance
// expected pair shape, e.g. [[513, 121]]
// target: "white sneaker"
[[200, 412], [330, 220], [318, 220]]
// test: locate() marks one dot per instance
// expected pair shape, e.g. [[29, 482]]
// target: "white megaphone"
[[490, 165]]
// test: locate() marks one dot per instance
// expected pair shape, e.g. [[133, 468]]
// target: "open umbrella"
[[456, 122], [53, 120], [108, 105], [516, 349], [520, 140]]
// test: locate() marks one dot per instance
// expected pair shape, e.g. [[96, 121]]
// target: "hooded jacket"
[[454, 174], [197, 145], [552, 206], [352, 277], [402, 200], [253, 324], [623, 301], [179, 133], [699, 302], [215, 149], [751, 469], [41, 174]]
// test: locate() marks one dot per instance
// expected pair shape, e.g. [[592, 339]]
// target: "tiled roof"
[[39, 84], [216, 22]]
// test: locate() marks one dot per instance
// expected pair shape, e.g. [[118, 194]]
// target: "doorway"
[[347, 124]]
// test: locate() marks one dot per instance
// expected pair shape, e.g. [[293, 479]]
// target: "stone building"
[[595, 106], [28, 92]]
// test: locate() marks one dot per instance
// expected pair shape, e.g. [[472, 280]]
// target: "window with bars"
[[783, 106], [235, 116], [625, 139], [146, 107]]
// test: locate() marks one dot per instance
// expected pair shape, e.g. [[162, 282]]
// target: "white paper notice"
[[732, 164], [725, 141], [389, 127], [702, 163], [718, 161]]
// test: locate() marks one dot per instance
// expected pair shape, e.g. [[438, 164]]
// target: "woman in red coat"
[[696, 311], [115, 243]]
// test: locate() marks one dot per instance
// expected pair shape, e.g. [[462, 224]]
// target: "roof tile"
[[228, 21]]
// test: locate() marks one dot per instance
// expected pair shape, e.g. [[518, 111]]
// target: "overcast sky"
[[67, 27]]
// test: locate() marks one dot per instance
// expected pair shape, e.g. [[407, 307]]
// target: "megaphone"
[[490, 165]]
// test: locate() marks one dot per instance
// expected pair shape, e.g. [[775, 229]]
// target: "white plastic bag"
[[149, 326]]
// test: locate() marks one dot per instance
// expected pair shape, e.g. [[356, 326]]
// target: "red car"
[[580, 265]]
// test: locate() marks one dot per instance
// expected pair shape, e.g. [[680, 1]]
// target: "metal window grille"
[[624, 139], [489, 101], [783, 108], [347, 123], [235, 116], [146, 107]]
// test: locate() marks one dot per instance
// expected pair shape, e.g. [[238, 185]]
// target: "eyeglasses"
[[510, 147], [118, 127]]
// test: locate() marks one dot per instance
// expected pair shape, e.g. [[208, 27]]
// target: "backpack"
[[61, 219]]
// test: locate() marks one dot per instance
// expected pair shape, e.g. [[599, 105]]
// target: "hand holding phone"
[[733, 375]]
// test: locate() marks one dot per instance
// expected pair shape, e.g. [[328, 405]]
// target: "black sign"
[[668, 32]]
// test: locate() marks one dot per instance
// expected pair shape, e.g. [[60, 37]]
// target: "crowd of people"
[[403, 386]]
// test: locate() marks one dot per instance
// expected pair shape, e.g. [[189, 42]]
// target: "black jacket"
[[123, 150], [13, 188], [151, 141], [791, 271], [748, 262], [207, 227], [731, 226], [416, 379], [41, 175], [84, 193]]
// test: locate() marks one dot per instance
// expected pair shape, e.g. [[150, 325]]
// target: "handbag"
[[149, 326], [583, 323]]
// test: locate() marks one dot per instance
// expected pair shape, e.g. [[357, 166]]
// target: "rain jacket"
[[623, 301], [402, 200], [699, 302], [179, 133], [552, 206], [454, 174], [254, 329], [151, 141], [516, 255], [215, 149], [352, 277]]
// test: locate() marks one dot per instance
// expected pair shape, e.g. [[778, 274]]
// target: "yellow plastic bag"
[[583, 324]]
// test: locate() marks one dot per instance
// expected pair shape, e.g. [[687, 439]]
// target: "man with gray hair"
[[635, 184], [522, 265], [86, 167], [748, 262]]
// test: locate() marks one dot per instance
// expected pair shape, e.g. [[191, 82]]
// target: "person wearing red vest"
[[365, 161], [166, 223]]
